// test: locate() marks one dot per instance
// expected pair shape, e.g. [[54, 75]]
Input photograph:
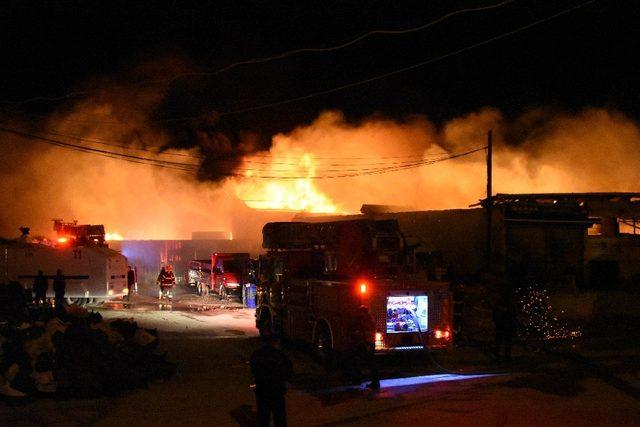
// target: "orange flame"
[[112, 236], [295, 191]]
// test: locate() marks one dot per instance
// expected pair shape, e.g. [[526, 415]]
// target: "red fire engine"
[[316, 276]]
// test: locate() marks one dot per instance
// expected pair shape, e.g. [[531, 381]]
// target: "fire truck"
[[224, 274], [315, 277], [92, 271]]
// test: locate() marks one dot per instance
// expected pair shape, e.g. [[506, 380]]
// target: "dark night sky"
[[582, 59]]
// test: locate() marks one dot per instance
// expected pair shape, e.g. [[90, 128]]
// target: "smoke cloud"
[[540, 151], [233, 172]]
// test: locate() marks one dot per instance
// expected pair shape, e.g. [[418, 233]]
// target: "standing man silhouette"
[[271, 369], [40, 286], [59, 288], [131, 281]]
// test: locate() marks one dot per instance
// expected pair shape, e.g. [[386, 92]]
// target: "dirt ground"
[[212, 343]]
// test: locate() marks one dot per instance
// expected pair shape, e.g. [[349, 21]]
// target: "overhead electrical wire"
[[395, 72], [191, 167], [383, 75], [283, 55], [291, 160], [105, 153], [388, 74]]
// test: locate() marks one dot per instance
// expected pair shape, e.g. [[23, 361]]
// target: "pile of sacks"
[[77, 354]]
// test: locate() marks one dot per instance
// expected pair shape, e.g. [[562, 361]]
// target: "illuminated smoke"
[[593, 150], [540, 151]]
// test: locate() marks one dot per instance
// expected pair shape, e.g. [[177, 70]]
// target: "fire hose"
[[437, 365]]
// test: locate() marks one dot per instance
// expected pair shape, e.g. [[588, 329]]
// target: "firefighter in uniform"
[[40, 286], [159, 282], [458, 311], [506, 323], [271, 369], [131, 281], [59, 288], [167, 280], [366, 348]]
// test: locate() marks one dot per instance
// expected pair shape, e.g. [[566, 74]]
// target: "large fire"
[[285, 184], [329, 166]]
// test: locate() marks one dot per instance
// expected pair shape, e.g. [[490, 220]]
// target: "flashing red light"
[[363, 288]]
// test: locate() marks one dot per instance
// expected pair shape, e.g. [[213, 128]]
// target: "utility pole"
[[489, 200]]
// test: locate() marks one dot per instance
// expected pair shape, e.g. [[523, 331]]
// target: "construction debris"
[[74, 353]]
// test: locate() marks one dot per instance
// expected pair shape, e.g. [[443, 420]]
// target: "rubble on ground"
[[74, 353]]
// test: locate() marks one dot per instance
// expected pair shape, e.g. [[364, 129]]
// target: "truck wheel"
[[322, 345]]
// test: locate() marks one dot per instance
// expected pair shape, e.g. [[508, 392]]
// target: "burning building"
[[525, 240], [612, 243], [583, 247]]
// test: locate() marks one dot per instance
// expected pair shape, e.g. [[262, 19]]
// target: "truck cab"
[[229, 272]]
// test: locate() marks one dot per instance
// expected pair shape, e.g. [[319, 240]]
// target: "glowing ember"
[[295, 191], [538, 320], [112, 236]]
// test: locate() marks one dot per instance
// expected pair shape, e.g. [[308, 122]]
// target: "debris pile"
[[75, 353]]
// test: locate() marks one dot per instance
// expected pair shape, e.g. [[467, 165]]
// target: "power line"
[[106, 153], [189, 167], [283, 55], [388, 74], [384, 75], [395, 72], [291, 160]]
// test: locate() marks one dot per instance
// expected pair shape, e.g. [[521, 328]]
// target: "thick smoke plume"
[[593, 150], [232, 172], [39, 181]]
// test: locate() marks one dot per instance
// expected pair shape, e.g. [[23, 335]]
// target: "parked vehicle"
[[198, 275], [91, 270], [223, 274], [315, 278], [230, 271]]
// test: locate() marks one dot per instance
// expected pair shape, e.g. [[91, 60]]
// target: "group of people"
[[41, 286]]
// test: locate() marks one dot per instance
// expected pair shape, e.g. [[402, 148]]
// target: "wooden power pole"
[[489, 201]]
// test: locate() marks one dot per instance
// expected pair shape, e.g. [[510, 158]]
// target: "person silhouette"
[[271, 369]]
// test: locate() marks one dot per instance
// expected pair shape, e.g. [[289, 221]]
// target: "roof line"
[[592, 195]]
